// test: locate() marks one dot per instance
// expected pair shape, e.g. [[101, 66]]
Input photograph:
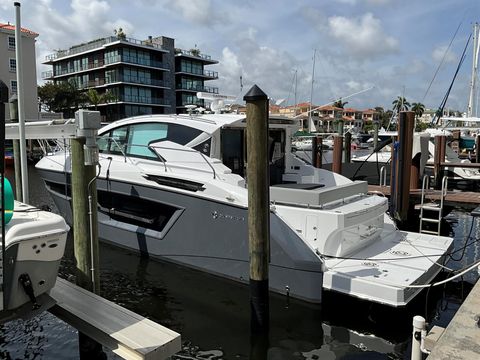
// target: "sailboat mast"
[[310, 121], [295, 94], [473, 83]]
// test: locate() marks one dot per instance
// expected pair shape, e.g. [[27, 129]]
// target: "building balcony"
[[186, 87], [195, 54], [96, 44], [124, 79], [47, 75], [143, 100], [206, 74], [109, 61]]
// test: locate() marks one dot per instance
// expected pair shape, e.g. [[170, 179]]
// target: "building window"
[[11, 43], [13, 86], [13, 65]]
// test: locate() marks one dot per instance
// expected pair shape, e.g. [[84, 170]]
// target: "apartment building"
[[141, 76], [8, 67]]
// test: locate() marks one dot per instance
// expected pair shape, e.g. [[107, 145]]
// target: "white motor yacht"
[[173, 187]]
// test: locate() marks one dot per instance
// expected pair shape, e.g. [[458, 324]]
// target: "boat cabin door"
[[233, 150]]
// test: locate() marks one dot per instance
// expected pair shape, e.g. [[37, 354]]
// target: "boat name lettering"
[[217, 215]]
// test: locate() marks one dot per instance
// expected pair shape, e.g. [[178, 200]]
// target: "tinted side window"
[[181, 134]]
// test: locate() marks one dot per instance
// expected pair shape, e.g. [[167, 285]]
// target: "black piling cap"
[[255, 93], [16, 3]]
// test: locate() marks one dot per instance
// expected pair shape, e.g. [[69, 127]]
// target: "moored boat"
[[173, 187]]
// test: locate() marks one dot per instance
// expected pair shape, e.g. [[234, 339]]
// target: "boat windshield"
[[134, 139]]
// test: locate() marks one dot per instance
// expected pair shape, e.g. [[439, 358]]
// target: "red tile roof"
[[329, 107], [12, 28], [350, 110]]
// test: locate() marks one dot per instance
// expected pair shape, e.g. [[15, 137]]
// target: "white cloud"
[[362, 36], [440, 52], [198, 11], [269, 68]]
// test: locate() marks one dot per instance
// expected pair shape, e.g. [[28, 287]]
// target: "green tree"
[[95, 98], [419, 109], [339, 103], [400, 104], [61, 97]]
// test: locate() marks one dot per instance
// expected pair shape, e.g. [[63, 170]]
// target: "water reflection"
[[213, 314]]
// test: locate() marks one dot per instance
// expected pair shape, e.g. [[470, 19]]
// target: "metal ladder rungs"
[[431, 220], [429, 232], [431, 206]]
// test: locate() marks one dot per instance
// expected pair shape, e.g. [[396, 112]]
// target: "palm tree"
[[400, 104], [94, 98], [419, 109], [339, 103]]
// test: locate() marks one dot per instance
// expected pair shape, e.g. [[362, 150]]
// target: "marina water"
[[213, 314]]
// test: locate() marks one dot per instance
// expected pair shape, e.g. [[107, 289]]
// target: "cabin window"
[[140, 135], [114, 141], [133, 140]]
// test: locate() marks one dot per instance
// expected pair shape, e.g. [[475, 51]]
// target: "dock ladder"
[[432, 206]]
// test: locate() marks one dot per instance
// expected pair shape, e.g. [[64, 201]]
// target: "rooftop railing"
[[193, 53], [99, 43]]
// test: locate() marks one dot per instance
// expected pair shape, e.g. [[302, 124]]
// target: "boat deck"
[[383, 271]]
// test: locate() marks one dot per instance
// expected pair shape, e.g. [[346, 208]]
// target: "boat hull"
[[35, 245], [202, 234]]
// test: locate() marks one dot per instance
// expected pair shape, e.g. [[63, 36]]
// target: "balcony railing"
[[101, 63], [47, 74], [124, 79], [189, 87], [193, 53], [99, 43], [143, 100], [204, 73]]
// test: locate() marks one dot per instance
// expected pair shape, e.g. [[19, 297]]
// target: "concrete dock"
[[461, 338]]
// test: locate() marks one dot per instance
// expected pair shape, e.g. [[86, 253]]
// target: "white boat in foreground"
[[34, 245], [172, 187]]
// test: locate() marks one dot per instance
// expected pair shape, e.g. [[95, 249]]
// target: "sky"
[[380, 49]]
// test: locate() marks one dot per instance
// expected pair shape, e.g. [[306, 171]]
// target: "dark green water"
[[212, 314]]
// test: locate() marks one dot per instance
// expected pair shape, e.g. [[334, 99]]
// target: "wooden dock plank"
[[126, 333], [461, 338], [452, 197]]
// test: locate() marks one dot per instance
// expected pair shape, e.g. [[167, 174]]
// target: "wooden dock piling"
[[317, 143], [348, 147], [403, 165], [85, 224], [438, 158], [258, 206], [337, 154]]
